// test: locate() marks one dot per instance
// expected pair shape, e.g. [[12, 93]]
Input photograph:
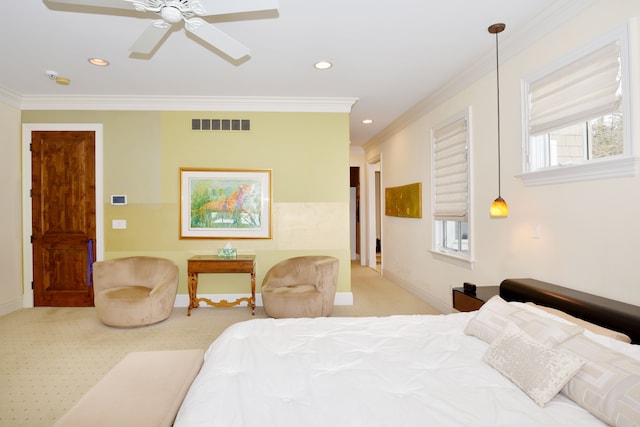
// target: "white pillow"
[[496, 314], [596, 329], [608, 385], [538, 369]]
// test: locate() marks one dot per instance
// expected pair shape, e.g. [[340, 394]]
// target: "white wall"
[[590, 231], [10, 214], [356, 159]]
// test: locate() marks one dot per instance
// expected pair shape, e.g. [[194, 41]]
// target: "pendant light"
[[499, 208]]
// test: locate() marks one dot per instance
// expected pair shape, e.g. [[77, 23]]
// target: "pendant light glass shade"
[[499, 208]]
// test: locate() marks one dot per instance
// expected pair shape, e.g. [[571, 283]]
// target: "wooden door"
[[64, 217]]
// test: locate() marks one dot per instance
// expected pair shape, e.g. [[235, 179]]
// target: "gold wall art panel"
[[404, 201]]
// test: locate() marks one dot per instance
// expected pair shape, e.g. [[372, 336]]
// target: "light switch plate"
[[536, 231], [120, 224]]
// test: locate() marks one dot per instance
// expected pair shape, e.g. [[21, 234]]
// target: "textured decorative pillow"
[[538, 369], [496, 314], [608, 385], [596, 329]]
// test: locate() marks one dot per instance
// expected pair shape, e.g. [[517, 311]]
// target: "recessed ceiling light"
[[99, 62], [323, 65], [367, 121]]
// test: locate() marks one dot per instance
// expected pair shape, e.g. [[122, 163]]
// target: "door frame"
[[373, 165], [27, 253]]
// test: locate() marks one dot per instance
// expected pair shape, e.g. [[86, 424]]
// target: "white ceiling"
[[389, 55]]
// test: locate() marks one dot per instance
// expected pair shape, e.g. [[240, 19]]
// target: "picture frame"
[[404, 201], [225, 203]]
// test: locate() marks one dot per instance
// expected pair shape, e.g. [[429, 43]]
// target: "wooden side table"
[[214, 264], [464, 301]]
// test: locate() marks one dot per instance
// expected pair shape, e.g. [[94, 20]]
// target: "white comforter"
[[329, 372]]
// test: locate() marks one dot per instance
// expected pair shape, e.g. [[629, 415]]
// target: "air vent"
[[231, 125]]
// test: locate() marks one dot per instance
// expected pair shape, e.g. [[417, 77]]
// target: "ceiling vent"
[[232, 125]]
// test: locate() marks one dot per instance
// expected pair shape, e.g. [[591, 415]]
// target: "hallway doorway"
[[375, 248], [354, 212]]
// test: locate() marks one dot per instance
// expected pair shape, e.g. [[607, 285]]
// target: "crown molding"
[[9, 97], [511, 44], [187, 103]]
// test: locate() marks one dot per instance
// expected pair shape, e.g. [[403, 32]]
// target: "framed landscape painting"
[[225, 203]]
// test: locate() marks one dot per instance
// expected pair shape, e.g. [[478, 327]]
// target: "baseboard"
[[442, 306], [10, 306], [182, 300], [343, 298]]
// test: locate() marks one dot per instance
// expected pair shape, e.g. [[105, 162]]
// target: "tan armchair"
[[303, 286], [134, 291]]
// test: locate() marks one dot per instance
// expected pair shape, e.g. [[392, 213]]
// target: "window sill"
[[452, 259], [595, 169]]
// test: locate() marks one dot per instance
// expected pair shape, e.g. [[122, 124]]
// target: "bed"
[[510, 363]]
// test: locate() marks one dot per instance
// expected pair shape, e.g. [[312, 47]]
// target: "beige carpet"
[[49, 357]]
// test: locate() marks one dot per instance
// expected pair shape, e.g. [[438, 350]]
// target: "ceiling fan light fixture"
[[171, 14], [323, 65], [100, 62]]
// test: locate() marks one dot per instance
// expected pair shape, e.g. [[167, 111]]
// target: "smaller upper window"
[[578, 115], [589, 140]]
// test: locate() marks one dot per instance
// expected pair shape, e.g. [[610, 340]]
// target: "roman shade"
[[584, 89], [451, 171]]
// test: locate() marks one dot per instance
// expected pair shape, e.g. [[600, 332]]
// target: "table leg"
[[253, 292], [193, 290]]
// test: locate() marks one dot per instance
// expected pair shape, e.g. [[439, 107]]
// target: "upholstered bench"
[[143, 389]]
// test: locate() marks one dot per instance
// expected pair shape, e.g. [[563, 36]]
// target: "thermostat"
[[119, 200]]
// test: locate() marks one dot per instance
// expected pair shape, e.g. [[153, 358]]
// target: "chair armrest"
[[109, 274], [169, 280], [326, 274]]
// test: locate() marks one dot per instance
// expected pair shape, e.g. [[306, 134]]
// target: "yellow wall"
[[308, 154], [10, 214]]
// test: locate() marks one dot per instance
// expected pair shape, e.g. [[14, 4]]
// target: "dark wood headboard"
[[615, 315]]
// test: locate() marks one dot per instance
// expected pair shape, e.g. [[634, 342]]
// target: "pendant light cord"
[[498, 92]]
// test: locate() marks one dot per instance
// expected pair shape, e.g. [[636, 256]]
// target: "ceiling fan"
[[173, 12]]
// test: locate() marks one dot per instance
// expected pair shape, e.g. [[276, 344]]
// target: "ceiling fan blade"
[[114, 4], [216, 38], [150, 38], [221, 7]]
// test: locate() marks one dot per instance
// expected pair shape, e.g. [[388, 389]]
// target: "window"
[[453, 235], [578, 115], [450, 186], [592, 139]]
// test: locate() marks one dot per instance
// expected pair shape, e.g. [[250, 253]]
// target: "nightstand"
[[464, 301]]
